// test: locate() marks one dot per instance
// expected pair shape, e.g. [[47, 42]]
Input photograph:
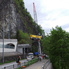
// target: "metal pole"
[[39, 47], [3, 42], [9, 22], [24, 52], [3, 34]]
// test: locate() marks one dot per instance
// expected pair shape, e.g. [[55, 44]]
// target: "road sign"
[[35, 36]]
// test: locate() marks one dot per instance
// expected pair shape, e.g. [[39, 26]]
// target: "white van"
[[31, 55]]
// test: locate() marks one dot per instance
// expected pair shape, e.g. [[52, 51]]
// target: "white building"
[[23, 48], [10, 45]]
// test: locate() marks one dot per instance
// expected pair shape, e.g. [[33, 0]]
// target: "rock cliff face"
[[11, 20], [7, 17]]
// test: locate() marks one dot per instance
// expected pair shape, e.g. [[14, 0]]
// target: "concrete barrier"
[[47, 65]]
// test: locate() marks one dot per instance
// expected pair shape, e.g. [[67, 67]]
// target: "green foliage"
[[46, 44], [23, 38], [28, 19], [56, 45], [34, 48], [40, 31]]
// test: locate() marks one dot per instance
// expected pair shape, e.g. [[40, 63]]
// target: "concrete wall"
[[20, 50]]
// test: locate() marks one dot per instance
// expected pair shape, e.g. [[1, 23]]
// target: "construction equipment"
[[36, 37], [35, 14]]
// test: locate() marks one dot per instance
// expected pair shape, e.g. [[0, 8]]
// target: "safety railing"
[[46, 65], [15, 66]]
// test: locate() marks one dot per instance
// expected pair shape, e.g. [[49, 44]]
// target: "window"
[[0, 45], [10, 45]]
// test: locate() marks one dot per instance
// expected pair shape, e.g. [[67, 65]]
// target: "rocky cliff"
[[14, 17]]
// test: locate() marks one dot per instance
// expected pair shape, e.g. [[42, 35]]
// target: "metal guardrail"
[[46, 64], [15, 66]]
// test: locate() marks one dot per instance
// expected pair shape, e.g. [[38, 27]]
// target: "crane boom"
[[34, 7], [35, 14]]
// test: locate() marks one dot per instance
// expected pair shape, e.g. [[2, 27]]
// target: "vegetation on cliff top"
[[31, 26], [29, 22], [23, 38]]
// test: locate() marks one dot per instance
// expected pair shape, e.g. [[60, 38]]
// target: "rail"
[[47, 65], [15, 66]]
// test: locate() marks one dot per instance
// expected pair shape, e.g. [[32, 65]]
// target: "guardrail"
[[47, 63], [15, 66]]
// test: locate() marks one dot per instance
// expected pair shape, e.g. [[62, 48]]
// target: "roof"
[[8, 40], [24, 45], [10, 53]]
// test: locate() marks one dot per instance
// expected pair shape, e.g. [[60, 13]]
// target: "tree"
[[23, 38], [57, 46], [46, 44]]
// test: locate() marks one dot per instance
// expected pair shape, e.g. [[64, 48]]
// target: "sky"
[[50, 13]]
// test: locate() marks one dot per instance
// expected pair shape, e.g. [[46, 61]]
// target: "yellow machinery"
[[35, 36]]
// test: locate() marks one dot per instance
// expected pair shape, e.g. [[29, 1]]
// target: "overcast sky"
[[50, 13]]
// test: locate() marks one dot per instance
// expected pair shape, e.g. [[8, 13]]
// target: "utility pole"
[[9, 21], [3, 34], [39, 50], [3, 43]]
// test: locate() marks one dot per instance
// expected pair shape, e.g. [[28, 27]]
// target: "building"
[[23, 48], [11, 47]]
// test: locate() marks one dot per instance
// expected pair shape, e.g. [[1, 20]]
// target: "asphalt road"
[[37, 65]]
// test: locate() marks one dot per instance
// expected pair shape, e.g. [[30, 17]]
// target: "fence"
[[15, 66], [47, 65]]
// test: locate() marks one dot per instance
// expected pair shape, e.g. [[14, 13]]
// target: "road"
[[37, 65]]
